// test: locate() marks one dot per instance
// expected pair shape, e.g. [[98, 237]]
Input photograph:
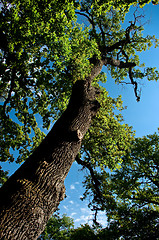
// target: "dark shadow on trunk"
[[34, 191]]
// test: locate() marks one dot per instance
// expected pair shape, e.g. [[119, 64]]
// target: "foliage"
[[155, 2], [3, 176], [57, 228], [130, 193], [85, 232], [28, 85], [45, 47], [107, 137], [139, 170], [44, 50], [132, 224]]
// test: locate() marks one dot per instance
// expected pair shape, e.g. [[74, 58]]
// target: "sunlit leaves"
[[30, 31], [45, 50], [107, 139], [150, 73], [58, 228]]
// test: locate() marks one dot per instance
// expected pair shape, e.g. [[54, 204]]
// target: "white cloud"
[[83, 219], [77, 183], [72, 202], [72, 214], [87, 216], [65, 207], [72, 187], [86, 210], [102, 219]]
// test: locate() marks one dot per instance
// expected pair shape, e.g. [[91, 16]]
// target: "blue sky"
[[143, 116]]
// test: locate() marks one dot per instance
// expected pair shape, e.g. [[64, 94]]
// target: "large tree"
[[48, 57]]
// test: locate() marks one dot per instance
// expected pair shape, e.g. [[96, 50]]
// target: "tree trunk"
[[34, 191]]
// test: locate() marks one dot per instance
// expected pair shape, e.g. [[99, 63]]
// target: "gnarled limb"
[[134, 83]]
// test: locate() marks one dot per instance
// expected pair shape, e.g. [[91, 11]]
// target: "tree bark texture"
[[34, 191]]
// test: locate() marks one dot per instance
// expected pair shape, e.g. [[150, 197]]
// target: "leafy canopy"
[[45, 47], [48, 45]]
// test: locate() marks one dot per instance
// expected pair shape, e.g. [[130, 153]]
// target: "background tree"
[[63, 228], [83, 233], [58, 228], [130, 194], [44, 53]]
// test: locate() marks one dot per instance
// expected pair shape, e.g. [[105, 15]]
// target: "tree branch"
[[102, 32], [144, 201], [134, 83], [88, 17], [96, 185], [96, 69], [122, 42], [87, 165], [118, 63]]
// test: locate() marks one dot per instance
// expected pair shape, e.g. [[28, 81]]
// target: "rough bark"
[[34, 191]]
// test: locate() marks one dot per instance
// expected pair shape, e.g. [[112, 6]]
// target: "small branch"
[[96, 209], [102, 32], [134, 83], [88, 17], [144, 201], [94, 178], [123, 42], [98, 197], [125, 82], [85, 15]]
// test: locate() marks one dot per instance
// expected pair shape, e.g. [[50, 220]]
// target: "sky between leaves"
[[143, 116]]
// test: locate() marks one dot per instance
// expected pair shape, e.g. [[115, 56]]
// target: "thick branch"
[[96, 182], [96, 69], [102, 32], [98, 64], [117, 63], [122, 42], [110, 60]]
